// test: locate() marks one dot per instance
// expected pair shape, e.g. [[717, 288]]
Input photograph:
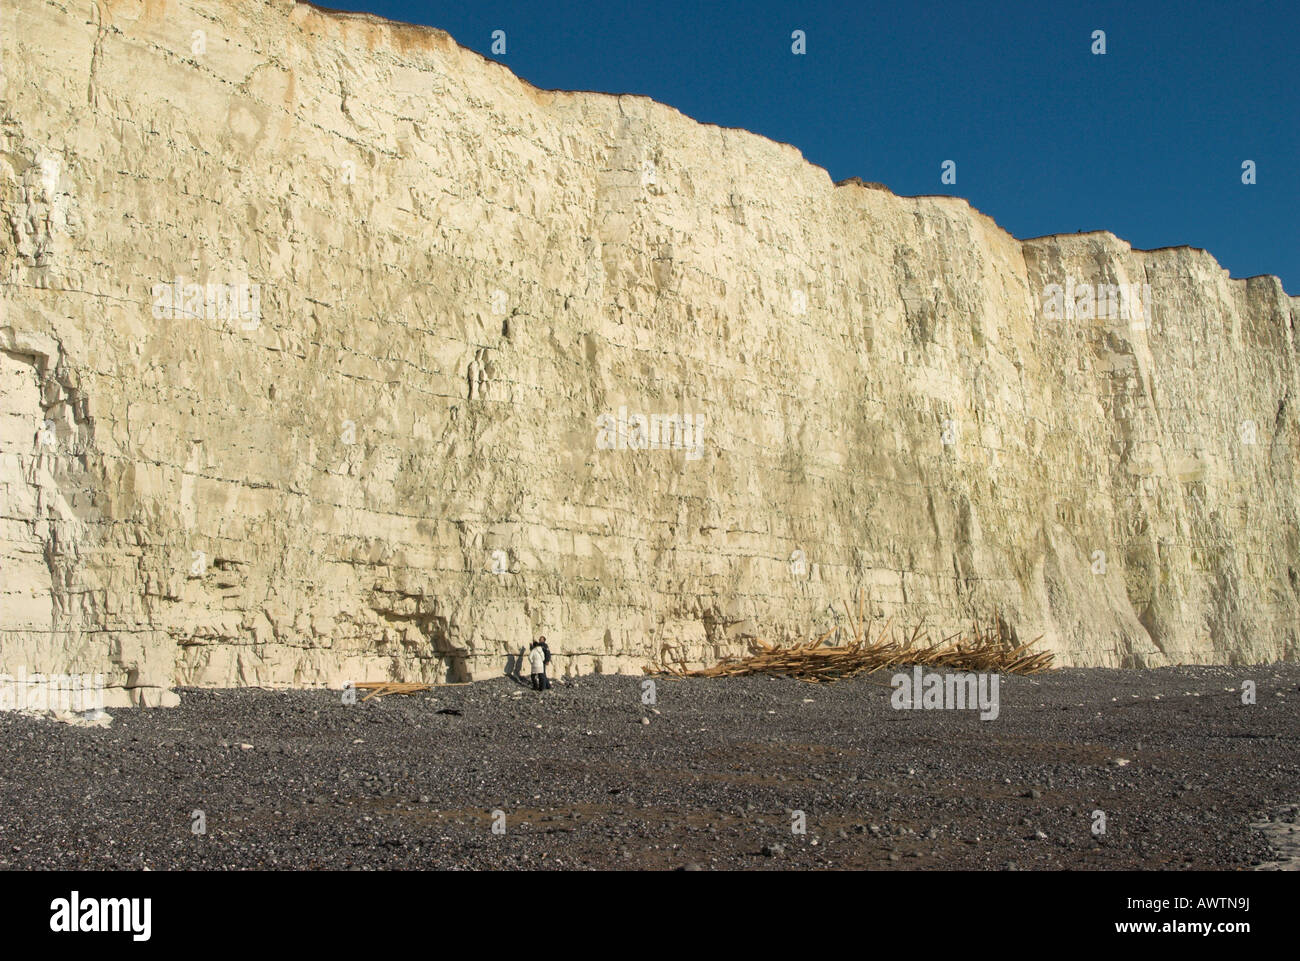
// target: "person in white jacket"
[[537, 665]]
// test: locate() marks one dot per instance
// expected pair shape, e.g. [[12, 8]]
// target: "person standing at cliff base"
[[546, 662], [537, 665]]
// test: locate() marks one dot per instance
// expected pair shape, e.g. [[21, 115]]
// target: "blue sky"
[[1146, 141]]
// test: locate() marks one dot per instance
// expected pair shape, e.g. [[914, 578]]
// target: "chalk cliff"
[[325, 344]]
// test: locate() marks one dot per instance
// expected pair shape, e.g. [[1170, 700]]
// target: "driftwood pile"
[[384, 688], [986, 649]]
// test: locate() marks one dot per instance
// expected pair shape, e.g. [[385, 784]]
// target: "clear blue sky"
[[1146, 141]]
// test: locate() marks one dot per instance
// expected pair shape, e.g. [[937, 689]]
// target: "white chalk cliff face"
[[399, 428]]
